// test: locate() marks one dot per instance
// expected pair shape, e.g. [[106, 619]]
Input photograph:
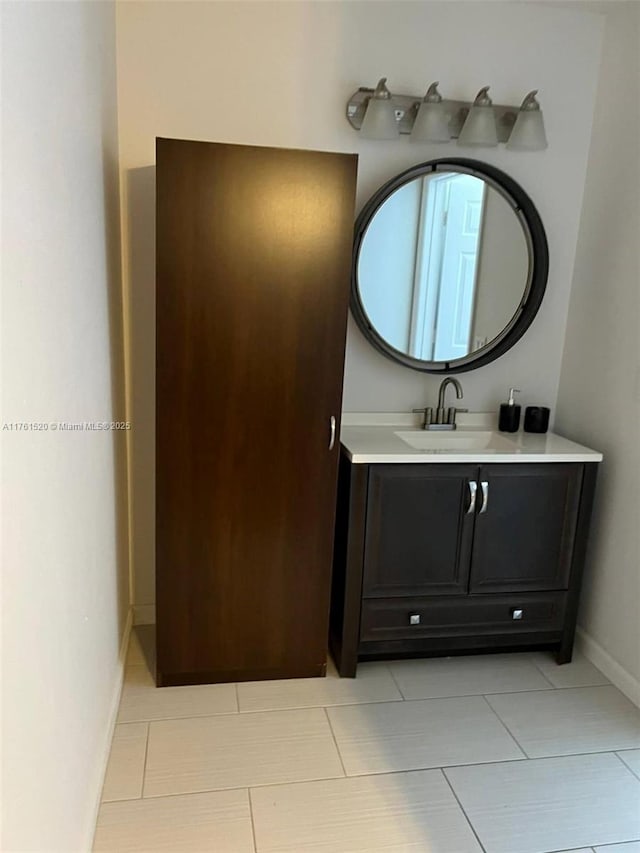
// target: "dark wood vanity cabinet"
[[444, 558]]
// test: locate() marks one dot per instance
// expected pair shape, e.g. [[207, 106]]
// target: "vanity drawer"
[[407, 618]]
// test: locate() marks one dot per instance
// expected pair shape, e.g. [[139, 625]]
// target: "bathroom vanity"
[[452, 537], [456, 542]]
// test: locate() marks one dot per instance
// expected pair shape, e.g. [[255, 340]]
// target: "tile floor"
[[499, 753]]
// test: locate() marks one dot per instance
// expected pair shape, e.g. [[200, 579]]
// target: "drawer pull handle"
[[414, 619], [473, 491], [517, 613], [332, 432], [485, 496]]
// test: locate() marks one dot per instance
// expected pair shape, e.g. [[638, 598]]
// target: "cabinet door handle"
[[485, 496], [332, 432], [473, 491]]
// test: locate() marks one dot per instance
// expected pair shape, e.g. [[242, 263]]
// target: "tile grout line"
[[144, 763], [465, 695], [334, 705], [268, 710], [633, 772], [126, 799], [326, 713], [258, 785], [466, 816], [510, 733], [253, 823], [548, 680], [548, 690], [393, 678], [557, 687], [358, 704], [368, 775], [278, 710], [353, 704]]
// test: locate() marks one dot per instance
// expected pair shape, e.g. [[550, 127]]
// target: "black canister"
[[536, 419], [509, 418]]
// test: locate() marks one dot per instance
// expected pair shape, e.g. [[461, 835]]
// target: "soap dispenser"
[[509, 420]]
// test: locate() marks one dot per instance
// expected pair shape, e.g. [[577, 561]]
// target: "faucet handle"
[[428, 415], [452, 411]]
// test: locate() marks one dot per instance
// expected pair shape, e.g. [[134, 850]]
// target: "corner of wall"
[[601, 356], [617, 674], [105, 748]]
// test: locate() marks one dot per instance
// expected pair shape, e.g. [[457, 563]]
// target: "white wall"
[[65, 589], [280, 74], [599, 399]]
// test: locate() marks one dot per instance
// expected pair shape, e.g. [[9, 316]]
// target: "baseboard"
[[144, 614], [610, 667], [111, 724]]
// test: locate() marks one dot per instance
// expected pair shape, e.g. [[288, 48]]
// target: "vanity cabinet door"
[[525, 527], [419, 530]]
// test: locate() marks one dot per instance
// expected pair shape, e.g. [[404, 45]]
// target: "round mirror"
[[450, 265]]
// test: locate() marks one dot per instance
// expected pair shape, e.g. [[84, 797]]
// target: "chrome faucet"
[[443, 418]]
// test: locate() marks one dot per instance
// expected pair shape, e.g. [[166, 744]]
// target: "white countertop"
[[371, 437]]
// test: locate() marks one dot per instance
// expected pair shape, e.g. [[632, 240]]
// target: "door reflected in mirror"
[[444, 267]]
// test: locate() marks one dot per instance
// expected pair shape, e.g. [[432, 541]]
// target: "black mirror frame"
[[538, 253]]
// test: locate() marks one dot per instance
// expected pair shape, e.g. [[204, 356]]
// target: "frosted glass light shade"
[[479, 128], [528, 132], [379, 120], [431, 124]]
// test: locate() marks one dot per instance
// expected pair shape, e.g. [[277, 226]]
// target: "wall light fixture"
[[432, 120], [379, 120], [479, 127], [380, 114], [528, 131]]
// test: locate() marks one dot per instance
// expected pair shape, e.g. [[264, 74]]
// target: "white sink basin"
[[456, 440]]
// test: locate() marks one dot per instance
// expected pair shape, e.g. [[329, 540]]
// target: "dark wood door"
[[419, 530], [253, 263], [525, 528]]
